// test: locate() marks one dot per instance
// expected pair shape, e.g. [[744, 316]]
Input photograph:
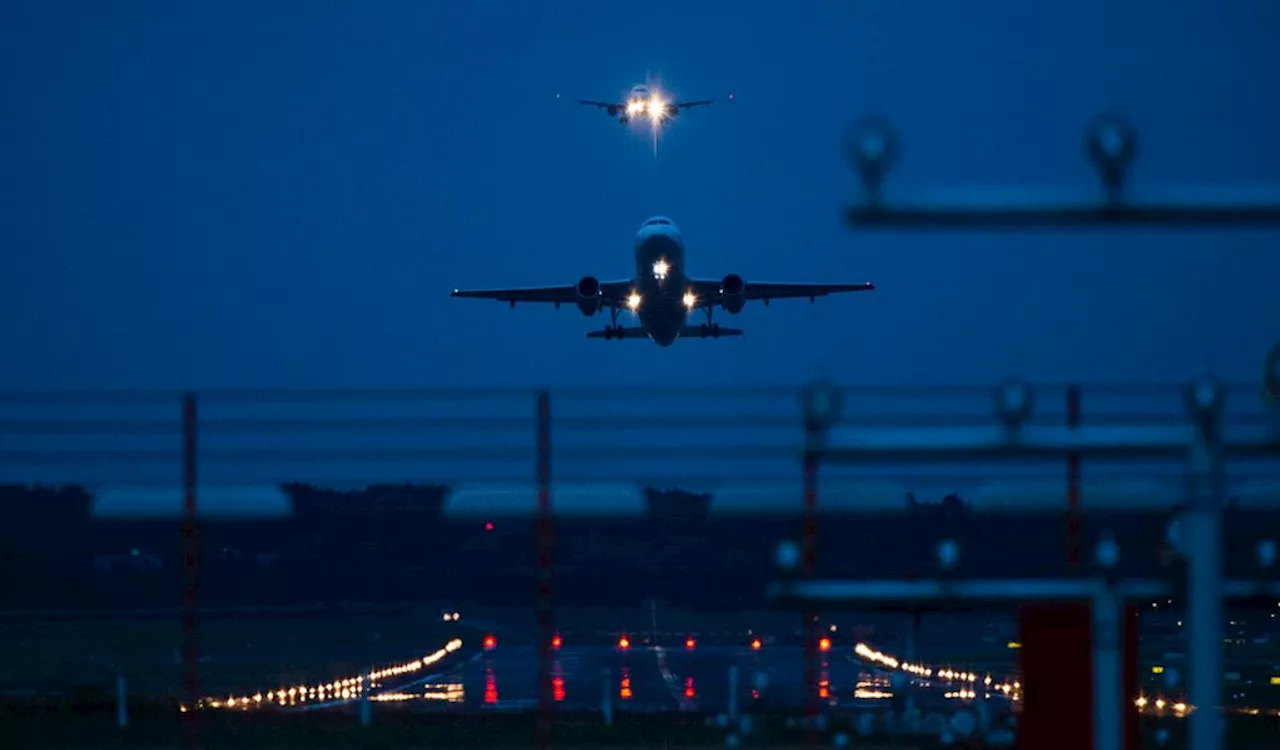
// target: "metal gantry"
[[873, 146], [1203, 445]]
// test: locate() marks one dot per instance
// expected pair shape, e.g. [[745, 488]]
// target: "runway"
[[649, 679]]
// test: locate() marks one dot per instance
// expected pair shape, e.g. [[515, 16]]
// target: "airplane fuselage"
[[661, 281]]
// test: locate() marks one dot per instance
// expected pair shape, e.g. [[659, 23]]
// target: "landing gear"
[[613, 330], [709, 328]]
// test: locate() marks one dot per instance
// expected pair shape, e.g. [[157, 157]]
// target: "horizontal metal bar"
[[1086, 216], [516, 394], [848, 445], [617, 423], [989, 591], [992, 590], [840, 496], [473, 454], [68, 427]]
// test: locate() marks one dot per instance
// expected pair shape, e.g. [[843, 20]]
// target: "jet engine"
[[613, 111], [589, 298], [733, 291]]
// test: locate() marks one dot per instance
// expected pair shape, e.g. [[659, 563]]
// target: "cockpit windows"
[[657, 222]]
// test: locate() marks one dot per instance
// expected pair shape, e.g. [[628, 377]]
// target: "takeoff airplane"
[[641, 102], [661, 295]]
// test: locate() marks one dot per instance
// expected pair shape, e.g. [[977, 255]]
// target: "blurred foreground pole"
[[606, 697], [1073, 484], [732, 709], [191, 563], [122, 702], [546, 541], [817, 402], [1206, 500]]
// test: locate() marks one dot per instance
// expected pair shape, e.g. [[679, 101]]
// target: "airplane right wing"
[[602, 105], [612, 294]]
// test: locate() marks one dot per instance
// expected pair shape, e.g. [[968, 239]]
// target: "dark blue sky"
[[269, 195]]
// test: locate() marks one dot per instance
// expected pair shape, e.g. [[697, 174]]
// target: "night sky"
[[283, 194]]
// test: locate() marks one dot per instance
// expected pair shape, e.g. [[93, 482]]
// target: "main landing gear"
[[613, 330], [709, 328]]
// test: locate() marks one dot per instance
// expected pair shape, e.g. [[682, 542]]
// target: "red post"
[[191, 563], [1057, 676], [1132, 726], [545, 540], [809, 548]]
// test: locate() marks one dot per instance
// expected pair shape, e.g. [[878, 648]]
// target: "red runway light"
[[755, 645], [488, 525], [490, 642], [689, 643], [824, 644], [624, 643], [555, 642]]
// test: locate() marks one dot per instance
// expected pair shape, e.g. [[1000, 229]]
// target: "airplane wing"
[[602, 105], [614, 294], [699, 103], [708, 291]]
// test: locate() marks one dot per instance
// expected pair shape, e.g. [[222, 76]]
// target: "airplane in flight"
[[641, 102], [661, 295]]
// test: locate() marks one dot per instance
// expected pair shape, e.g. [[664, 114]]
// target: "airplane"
[[641, 101], [661, 295]]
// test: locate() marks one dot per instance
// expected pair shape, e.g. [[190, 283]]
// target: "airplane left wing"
[[700, 103], [612, 293], [711, 291]]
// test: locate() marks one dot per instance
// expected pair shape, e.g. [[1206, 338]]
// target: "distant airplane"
[[661, 295], [642, 102]]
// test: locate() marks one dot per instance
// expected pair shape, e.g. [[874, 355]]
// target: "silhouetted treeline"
[[390, 543]]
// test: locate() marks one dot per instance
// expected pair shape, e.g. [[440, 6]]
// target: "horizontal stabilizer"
[[687, 332]]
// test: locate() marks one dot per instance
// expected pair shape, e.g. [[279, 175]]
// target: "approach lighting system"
[[871, 146], [1112, 145]]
